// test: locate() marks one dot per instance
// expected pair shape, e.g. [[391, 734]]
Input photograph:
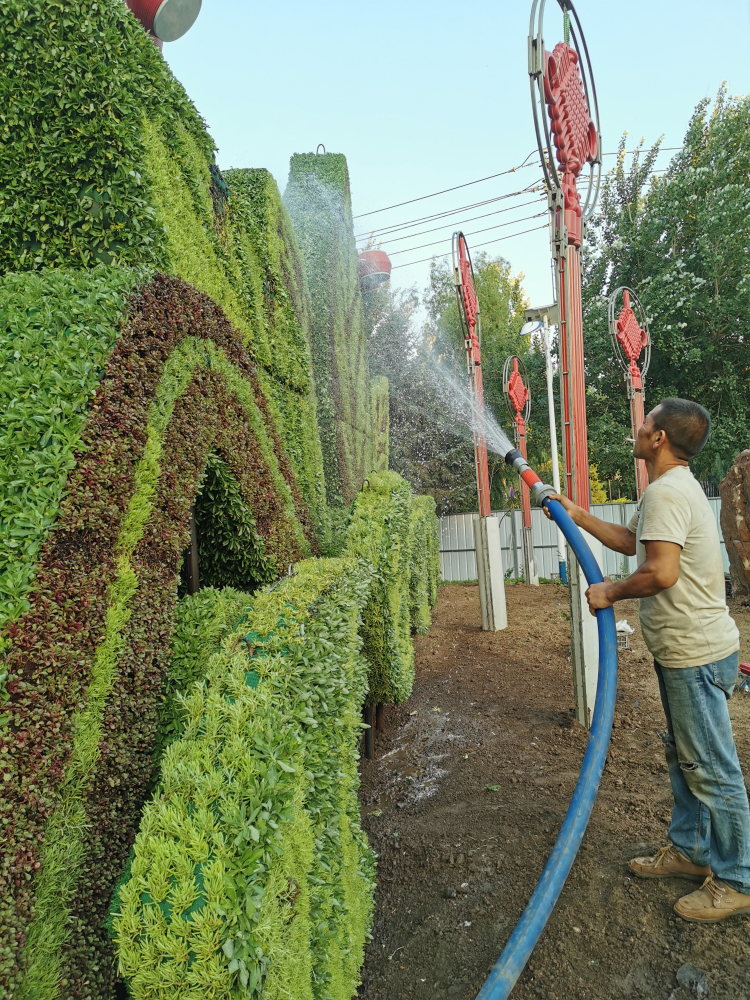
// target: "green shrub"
[[380, 532], [424, 562], [251, 875], [230, 551], [202, 621], [319, 202]]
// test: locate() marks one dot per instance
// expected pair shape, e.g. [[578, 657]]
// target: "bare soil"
[[468, 790]]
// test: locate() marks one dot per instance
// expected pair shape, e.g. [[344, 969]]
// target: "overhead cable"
[[500, 225], [537, 186], [476, 246], [446, 225], [480, 180], [490, 177]]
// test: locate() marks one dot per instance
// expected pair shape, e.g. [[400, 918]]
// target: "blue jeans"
[[711, 819]]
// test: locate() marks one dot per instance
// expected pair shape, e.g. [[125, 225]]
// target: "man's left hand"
[[598, 595]]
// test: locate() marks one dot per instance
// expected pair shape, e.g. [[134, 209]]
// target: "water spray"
[[490, 574]]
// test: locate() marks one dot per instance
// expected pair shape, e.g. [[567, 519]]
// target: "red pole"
[[469, 307], [518, 395], [576, 142], [632, 339]]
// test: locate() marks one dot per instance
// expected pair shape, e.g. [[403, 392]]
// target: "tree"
[[681, 242]]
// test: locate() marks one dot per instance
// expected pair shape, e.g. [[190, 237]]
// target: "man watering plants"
[[695, 645]]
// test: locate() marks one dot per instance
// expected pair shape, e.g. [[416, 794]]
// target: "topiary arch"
[[88, 656]]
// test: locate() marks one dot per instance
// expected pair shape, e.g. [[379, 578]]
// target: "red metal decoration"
[[572, 126], [519, 406], [166, 20], [632, 339], [373, 268], [468, 308]]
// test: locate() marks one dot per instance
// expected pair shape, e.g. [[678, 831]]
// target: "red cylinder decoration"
[[373, 268], [166, 20]]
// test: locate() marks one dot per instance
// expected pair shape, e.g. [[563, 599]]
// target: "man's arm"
[[659, 571], [614, 536]]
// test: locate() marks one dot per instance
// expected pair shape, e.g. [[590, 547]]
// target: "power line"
[[434, 194], [476, 232], [490, 177], [476, 246], [447, 225], [393, 227]]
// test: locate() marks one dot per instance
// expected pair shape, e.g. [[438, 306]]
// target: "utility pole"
[[535, 324], [486, 528], [566, 119], [630, 336], [518, 401]]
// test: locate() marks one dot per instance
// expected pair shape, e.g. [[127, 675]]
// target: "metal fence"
[[458, 560]]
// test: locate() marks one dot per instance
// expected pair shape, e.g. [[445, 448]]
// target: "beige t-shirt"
[[688, 624]]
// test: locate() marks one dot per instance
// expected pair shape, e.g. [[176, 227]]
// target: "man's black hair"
[[687, 424]]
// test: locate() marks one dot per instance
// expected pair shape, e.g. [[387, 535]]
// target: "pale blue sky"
[[422, 96]]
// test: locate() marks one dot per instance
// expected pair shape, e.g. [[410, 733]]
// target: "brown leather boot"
[[669, 863], [714, 901]]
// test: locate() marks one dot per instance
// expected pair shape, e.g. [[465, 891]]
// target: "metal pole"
[[561, 553]]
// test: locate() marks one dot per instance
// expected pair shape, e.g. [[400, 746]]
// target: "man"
[[695, 643]]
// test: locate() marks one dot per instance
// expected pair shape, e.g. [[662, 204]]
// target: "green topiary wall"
[[319, 202], [87, 645], [380, 421]]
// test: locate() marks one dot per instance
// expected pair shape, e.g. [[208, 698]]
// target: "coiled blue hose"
[[522, 941]]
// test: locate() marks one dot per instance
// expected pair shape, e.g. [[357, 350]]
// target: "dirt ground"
[[463, 802]]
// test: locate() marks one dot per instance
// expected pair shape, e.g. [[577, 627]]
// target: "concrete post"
[[490, 573]]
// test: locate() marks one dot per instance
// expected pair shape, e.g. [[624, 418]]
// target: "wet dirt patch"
[[463, 802]]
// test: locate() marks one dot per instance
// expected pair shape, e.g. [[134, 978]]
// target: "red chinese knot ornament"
[[631, 338], [572, 126], [517, 393]]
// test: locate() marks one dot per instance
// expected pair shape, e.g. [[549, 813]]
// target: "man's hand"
[[571, 508], [598, 596]]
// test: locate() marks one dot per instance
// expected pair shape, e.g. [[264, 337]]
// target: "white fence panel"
[[458, 559]]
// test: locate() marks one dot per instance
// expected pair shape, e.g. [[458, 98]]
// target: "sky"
[[421, 97]]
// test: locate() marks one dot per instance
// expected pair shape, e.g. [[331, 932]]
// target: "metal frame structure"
[[630, 335], [518, 401], [471, 324], [486, 528], [566, 121]]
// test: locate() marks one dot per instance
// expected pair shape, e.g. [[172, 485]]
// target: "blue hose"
[[522, 941]]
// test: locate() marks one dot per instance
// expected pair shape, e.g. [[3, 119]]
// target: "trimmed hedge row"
[[87, 658], [380, 532], [380, 423], [251, 874], [319, 202]]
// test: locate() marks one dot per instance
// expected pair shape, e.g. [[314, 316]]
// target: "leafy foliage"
[[380, 533], [681, 243], [251, 874], [229, 547], [424, 563], [177, 387], [202, 621], [319, 203], [55, 335]]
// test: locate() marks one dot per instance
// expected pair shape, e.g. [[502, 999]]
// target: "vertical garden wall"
[[169, 340], [319, 201]]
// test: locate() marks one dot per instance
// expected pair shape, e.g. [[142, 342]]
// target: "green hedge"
[[319, 202], [251, 874], [424, 562], [380, 533], [86, 658]]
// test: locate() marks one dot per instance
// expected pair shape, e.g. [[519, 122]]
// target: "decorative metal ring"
[[613, 312], [317, 151], [544, 141], [507, 371]]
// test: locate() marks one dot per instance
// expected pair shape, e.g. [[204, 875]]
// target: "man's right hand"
[[569, 506]]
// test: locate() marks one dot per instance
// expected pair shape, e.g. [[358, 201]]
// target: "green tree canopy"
[[683, 243]]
